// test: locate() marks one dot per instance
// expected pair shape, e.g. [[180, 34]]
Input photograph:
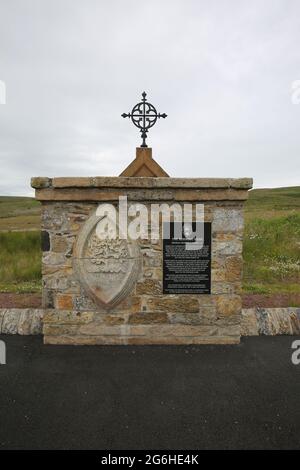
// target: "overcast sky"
[[222, 71]]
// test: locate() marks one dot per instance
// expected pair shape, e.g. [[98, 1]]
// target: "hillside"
[[275, 202], [22, 213], [19, 213]]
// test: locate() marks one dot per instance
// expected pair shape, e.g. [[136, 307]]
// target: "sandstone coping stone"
[[249, 323], [10, 321], [22, 321], [141, 194], [140, 182], [270, 321]]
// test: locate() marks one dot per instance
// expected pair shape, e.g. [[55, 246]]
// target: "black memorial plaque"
[[187, 270]]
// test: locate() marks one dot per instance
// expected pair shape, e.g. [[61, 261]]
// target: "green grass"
[[20, 261], [272, 255], [24, 287], [271, 243]]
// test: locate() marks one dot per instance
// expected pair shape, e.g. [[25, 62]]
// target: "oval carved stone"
[[107, 268]]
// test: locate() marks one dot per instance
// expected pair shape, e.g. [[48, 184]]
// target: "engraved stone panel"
[[107, 268]]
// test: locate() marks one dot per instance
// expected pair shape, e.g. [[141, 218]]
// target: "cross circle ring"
[[144, 115]]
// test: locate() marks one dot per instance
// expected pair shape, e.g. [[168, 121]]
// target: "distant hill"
[[23, 213], [19, 213], [275, 202]]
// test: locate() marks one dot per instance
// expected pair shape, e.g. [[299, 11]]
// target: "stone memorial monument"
[[102, 286]]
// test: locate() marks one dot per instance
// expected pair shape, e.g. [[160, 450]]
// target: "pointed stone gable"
[[144, 165]]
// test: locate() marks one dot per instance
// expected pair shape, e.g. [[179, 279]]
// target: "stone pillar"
[[92, 301]]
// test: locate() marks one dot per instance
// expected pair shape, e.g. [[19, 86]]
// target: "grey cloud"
[[222, 71]]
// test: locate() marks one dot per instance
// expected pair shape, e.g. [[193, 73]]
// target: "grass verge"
[[20, 261], [272, 255]]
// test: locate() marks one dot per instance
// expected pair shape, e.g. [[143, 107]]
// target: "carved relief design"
[[109, 255], [107, 268]]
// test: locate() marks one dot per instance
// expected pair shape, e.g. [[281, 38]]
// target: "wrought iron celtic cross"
[[144, 116]]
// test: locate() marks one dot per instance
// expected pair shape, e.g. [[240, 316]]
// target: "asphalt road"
[[109, 397]]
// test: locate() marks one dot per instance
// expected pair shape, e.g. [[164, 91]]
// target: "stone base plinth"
[[70, 327]]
